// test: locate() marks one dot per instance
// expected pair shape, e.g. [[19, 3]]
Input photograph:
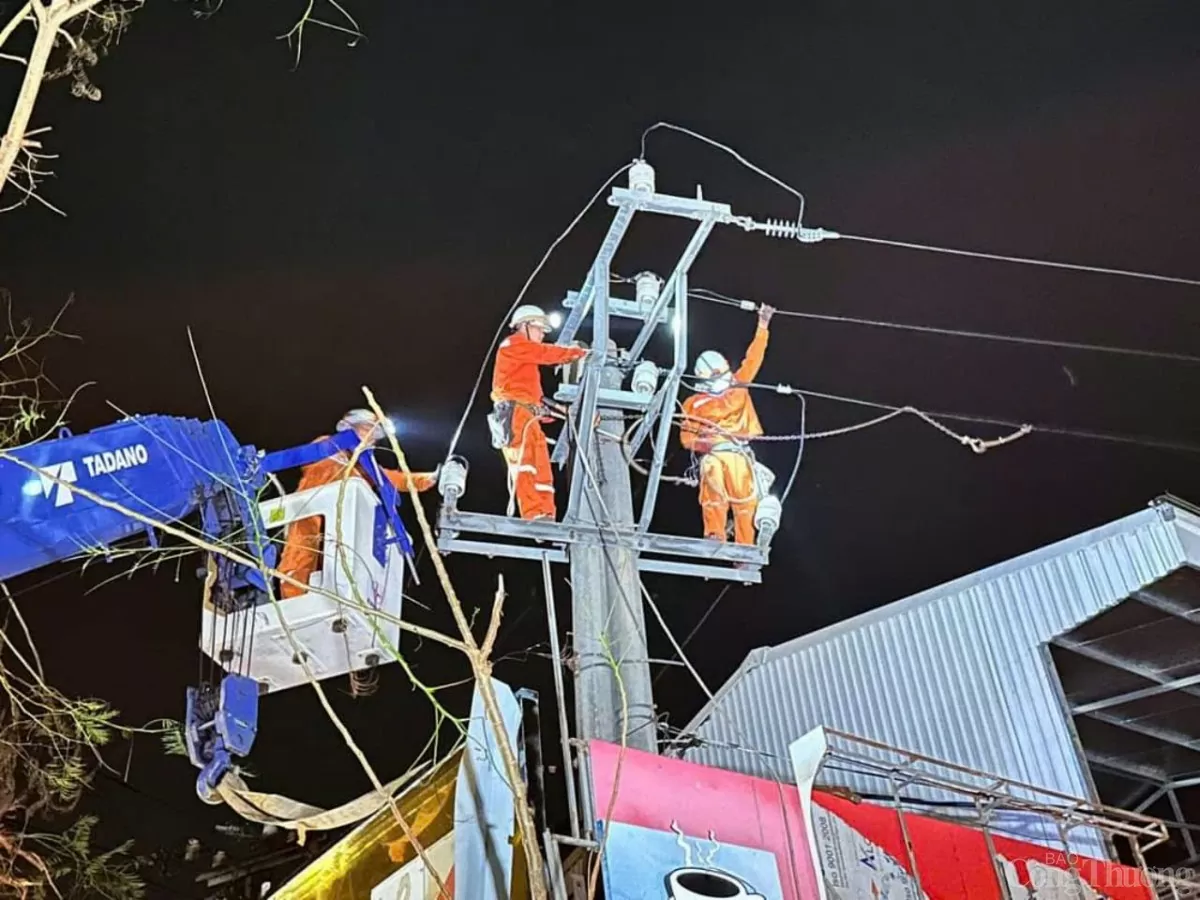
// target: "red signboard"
[[953, 861], [682, 831]]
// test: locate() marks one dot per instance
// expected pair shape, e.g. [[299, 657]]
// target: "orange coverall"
[[726, 475], [516, 377], [302, 546]]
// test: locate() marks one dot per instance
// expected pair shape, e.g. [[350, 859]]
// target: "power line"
[[717, 297], [695, 628], [813, 235], [1024, 260], [725, 148], [931, 417], [1139, 440]]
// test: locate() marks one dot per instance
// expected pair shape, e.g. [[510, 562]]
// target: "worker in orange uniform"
[[302, 546], [519, 409], [718, 423]]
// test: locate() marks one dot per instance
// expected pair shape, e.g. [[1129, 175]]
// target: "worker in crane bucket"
[[718, 423], [519, 410], [302, 546]]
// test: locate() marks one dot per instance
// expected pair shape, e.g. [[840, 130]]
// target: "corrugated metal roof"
[[958, 672]]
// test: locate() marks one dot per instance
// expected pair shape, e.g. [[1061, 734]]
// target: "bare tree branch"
[[481, 666], [85, 30]]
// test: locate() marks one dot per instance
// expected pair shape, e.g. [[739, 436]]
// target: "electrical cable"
[[1024, 260], [727, 149], [1155, 443], [749, 305], [521, 296], [799, 449], [695, 628], [979, 445], [813, 235], [932, 417]]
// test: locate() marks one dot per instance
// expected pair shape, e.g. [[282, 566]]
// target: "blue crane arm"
[[166, 469], [162, 467]]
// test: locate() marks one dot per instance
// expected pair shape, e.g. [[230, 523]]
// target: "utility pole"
[[613, 698], [605, 544]]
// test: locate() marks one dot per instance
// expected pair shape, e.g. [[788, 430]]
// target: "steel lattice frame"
[[501, 536]]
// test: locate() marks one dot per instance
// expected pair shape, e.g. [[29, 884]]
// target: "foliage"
[[49, 746], [49, 743]]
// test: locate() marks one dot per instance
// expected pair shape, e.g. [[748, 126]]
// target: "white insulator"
[[452, 481], [767, 518], [641, 177], [648, 286], [780, 229], [764, 479], [645, 378]]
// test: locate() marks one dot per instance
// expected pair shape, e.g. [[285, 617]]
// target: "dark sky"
[[369, 217]]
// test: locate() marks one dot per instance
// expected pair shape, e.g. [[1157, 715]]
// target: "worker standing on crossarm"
[[302, 545], [519, 409], [718, 423]]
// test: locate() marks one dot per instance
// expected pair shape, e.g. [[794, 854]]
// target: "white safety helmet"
[[531, 315], [357, 418], [712, 370]]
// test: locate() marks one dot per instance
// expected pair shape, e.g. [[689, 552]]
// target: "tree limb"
[[481, 666]]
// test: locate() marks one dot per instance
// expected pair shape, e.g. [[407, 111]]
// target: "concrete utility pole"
[[607, 548], [606, 599]]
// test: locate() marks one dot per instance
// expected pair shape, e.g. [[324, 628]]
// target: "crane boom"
[[162, 467], [72, 495]]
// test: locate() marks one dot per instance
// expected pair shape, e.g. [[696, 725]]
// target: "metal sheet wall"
[[956, 672]]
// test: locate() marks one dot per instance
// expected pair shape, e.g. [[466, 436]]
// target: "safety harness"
[[500, 419]]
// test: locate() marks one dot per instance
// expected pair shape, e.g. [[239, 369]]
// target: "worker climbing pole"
[[520, 410], [717, 424]]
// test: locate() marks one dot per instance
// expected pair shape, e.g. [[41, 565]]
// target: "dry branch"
[[481, 667], [86, 28]]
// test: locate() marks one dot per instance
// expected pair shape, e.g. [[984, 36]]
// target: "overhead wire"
[[700, 624], [932, 418], [809, 235], [1023, 260], [725, 148], [712, 296], [992, 420], [462, 422], [799, 448]]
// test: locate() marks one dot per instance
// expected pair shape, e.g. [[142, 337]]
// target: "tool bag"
[[500, 423]]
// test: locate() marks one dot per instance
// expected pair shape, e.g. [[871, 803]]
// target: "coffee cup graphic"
[[691, 883]]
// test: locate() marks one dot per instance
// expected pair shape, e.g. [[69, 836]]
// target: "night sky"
[[369, 217]]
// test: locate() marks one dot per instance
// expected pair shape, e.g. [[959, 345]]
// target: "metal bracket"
[[554, 541], [607, 397], [624, 309]]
